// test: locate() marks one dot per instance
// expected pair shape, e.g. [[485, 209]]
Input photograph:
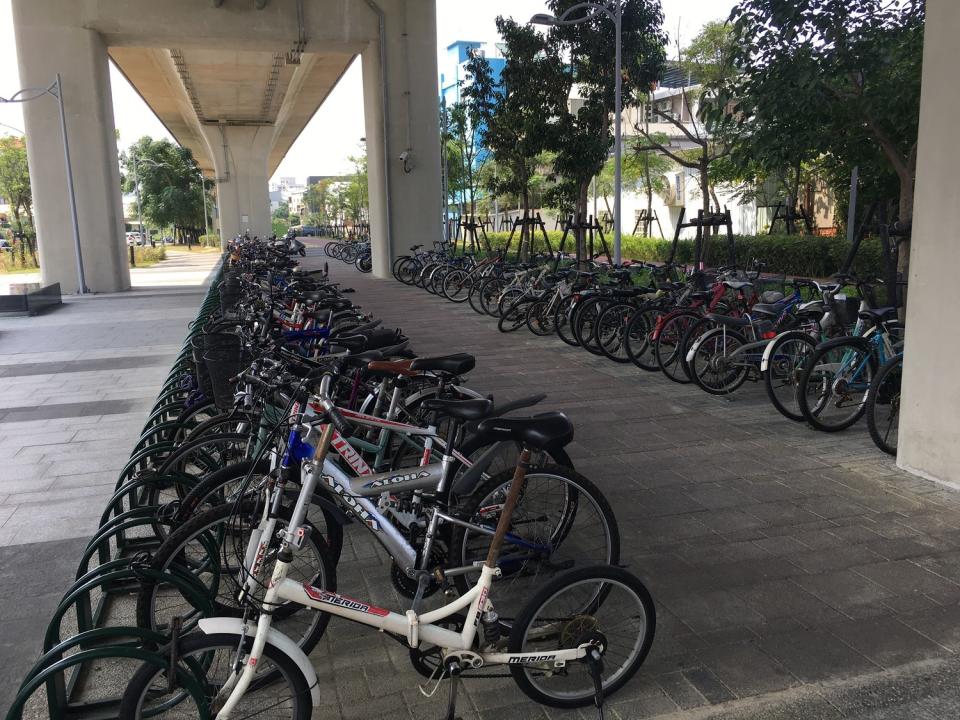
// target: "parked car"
[[303, 231]]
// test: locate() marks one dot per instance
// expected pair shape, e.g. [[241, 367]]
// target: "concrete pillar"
[[405, 202], [243, 196], [929, 441], [80, 56]]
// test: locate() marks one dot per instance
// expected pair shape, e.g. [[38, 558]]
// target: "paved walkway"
[[75, 386], [796, 574]]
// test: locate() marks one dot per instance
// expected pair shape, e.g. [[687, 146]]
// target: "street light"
[[56, 90], [613, 10]]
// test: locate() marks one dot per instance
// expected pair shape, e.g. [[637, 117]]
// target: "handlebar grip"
[[339, 422]]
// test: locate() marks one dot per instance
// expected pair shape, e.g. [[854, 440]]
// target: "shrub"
[[146, 256], [209, 241], [804, 256]]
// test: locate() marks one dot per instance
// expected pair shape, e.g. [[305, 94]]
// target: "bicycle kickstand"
[[594, 662], [453, 672]]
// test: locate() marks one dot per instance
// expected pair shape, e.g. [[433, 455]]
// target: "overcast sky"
[[335, 130]]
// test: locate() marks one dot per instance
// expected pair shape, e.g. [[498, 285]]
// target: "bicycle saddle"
[[877, 313], [737, 284], [545, 431], [766, 309], [459, 409], [456, 364], [390, 368]]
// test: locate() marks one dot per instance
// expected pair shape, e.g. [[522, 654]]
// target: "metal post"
[[852, 209], [82, 284], [203, 194], [618, 111], [136, 187]]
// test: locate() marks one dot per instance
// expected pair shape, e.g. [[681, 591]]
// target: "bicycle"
[[558, 649]]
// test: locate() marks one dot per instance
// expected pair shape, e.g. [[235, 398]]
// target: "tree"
[[642, 172], [15, 184], [516, 113], [463, 123], [584, 138], [844, 75], [283, 211], [705, 58], [171, 189]]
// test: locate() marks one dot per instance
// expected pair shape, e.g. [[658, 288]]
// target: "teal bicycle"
[[837, 376]]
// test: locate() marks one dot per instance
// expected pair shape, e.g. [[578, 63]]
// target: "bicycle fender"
[[692, 352], [234, 626], [860, 342], [765, 361]]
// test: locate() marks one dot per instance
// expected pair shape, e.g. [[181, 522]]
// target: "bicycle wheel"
[[490, 295], [364, 262], [638, 339], [540, 318], [610, 330], [834, 384], [149, 693], [669, 345], [515, 316], [883, 405], [605, 606], [698, 328], [212, 546], [561, 521], [712, 367], [473, 295], [456, 286], [562, 317], [585, 320], [507, 298], [784, 359]]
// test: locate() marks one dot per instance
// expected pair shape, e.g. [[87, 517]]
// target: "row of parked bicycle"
[[293, 416], [826, 352], [352, 252]]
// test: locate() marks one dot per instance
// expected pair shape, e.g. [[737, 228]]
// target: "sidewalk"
[[75, 385]]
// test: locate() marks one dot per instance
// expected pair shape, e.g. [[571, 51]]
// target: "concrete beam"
[[929, 440]]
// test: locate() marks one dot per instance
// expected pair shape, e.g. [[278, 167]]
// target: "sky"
[[334, 132]]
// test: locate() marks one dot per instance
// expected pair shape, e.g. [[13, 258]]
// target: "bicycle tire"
[[816, 374], [885, 392], [609, 579], [784, 371], [139, 686]]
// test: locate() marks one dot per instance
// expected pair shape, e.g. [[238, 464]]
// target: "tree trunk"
[[648, 228], [580, 214], [906, 219], [525, 227]]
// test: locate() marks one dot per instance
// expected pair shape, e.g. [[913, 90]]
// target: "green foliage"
[[15, 176], [283, 211], [835, 82], [516, 113], [583, 139], [147, 256], [807, 256], [19, 258], [171, 189], [294, 220], [279, 226], [209, 241]]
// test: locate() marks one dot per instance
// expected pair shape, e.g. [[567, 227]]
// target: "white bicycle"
[[580, 637]]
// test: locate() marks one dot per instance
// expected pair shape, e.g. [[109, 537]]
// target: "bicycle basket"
[[775, 284], [848, 310], [224, 357]]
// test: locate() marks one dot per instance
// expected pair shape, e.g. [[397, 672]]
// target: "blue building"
[[453, 72]]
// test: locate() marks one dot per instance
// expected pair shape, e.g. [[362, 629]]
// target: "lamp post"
[[613, 10], [56, 90]]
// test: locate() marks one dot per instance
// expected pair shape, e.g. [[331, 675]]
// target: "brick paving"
[[788, 566]]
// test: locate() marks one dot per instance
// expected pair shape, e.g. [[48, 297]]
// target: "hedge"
[[804, 256]]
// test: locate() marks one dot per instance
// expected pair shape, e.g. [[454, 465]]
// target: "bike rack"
[[109, 566]]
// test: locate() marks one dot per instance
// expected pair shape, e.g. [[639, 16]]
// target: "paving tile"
[[885, 641], [816, 655], [746, 670], [844, 590]]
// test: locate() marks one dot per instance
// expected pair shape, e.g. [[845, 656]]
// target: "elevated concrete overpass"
[[236, 81]]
